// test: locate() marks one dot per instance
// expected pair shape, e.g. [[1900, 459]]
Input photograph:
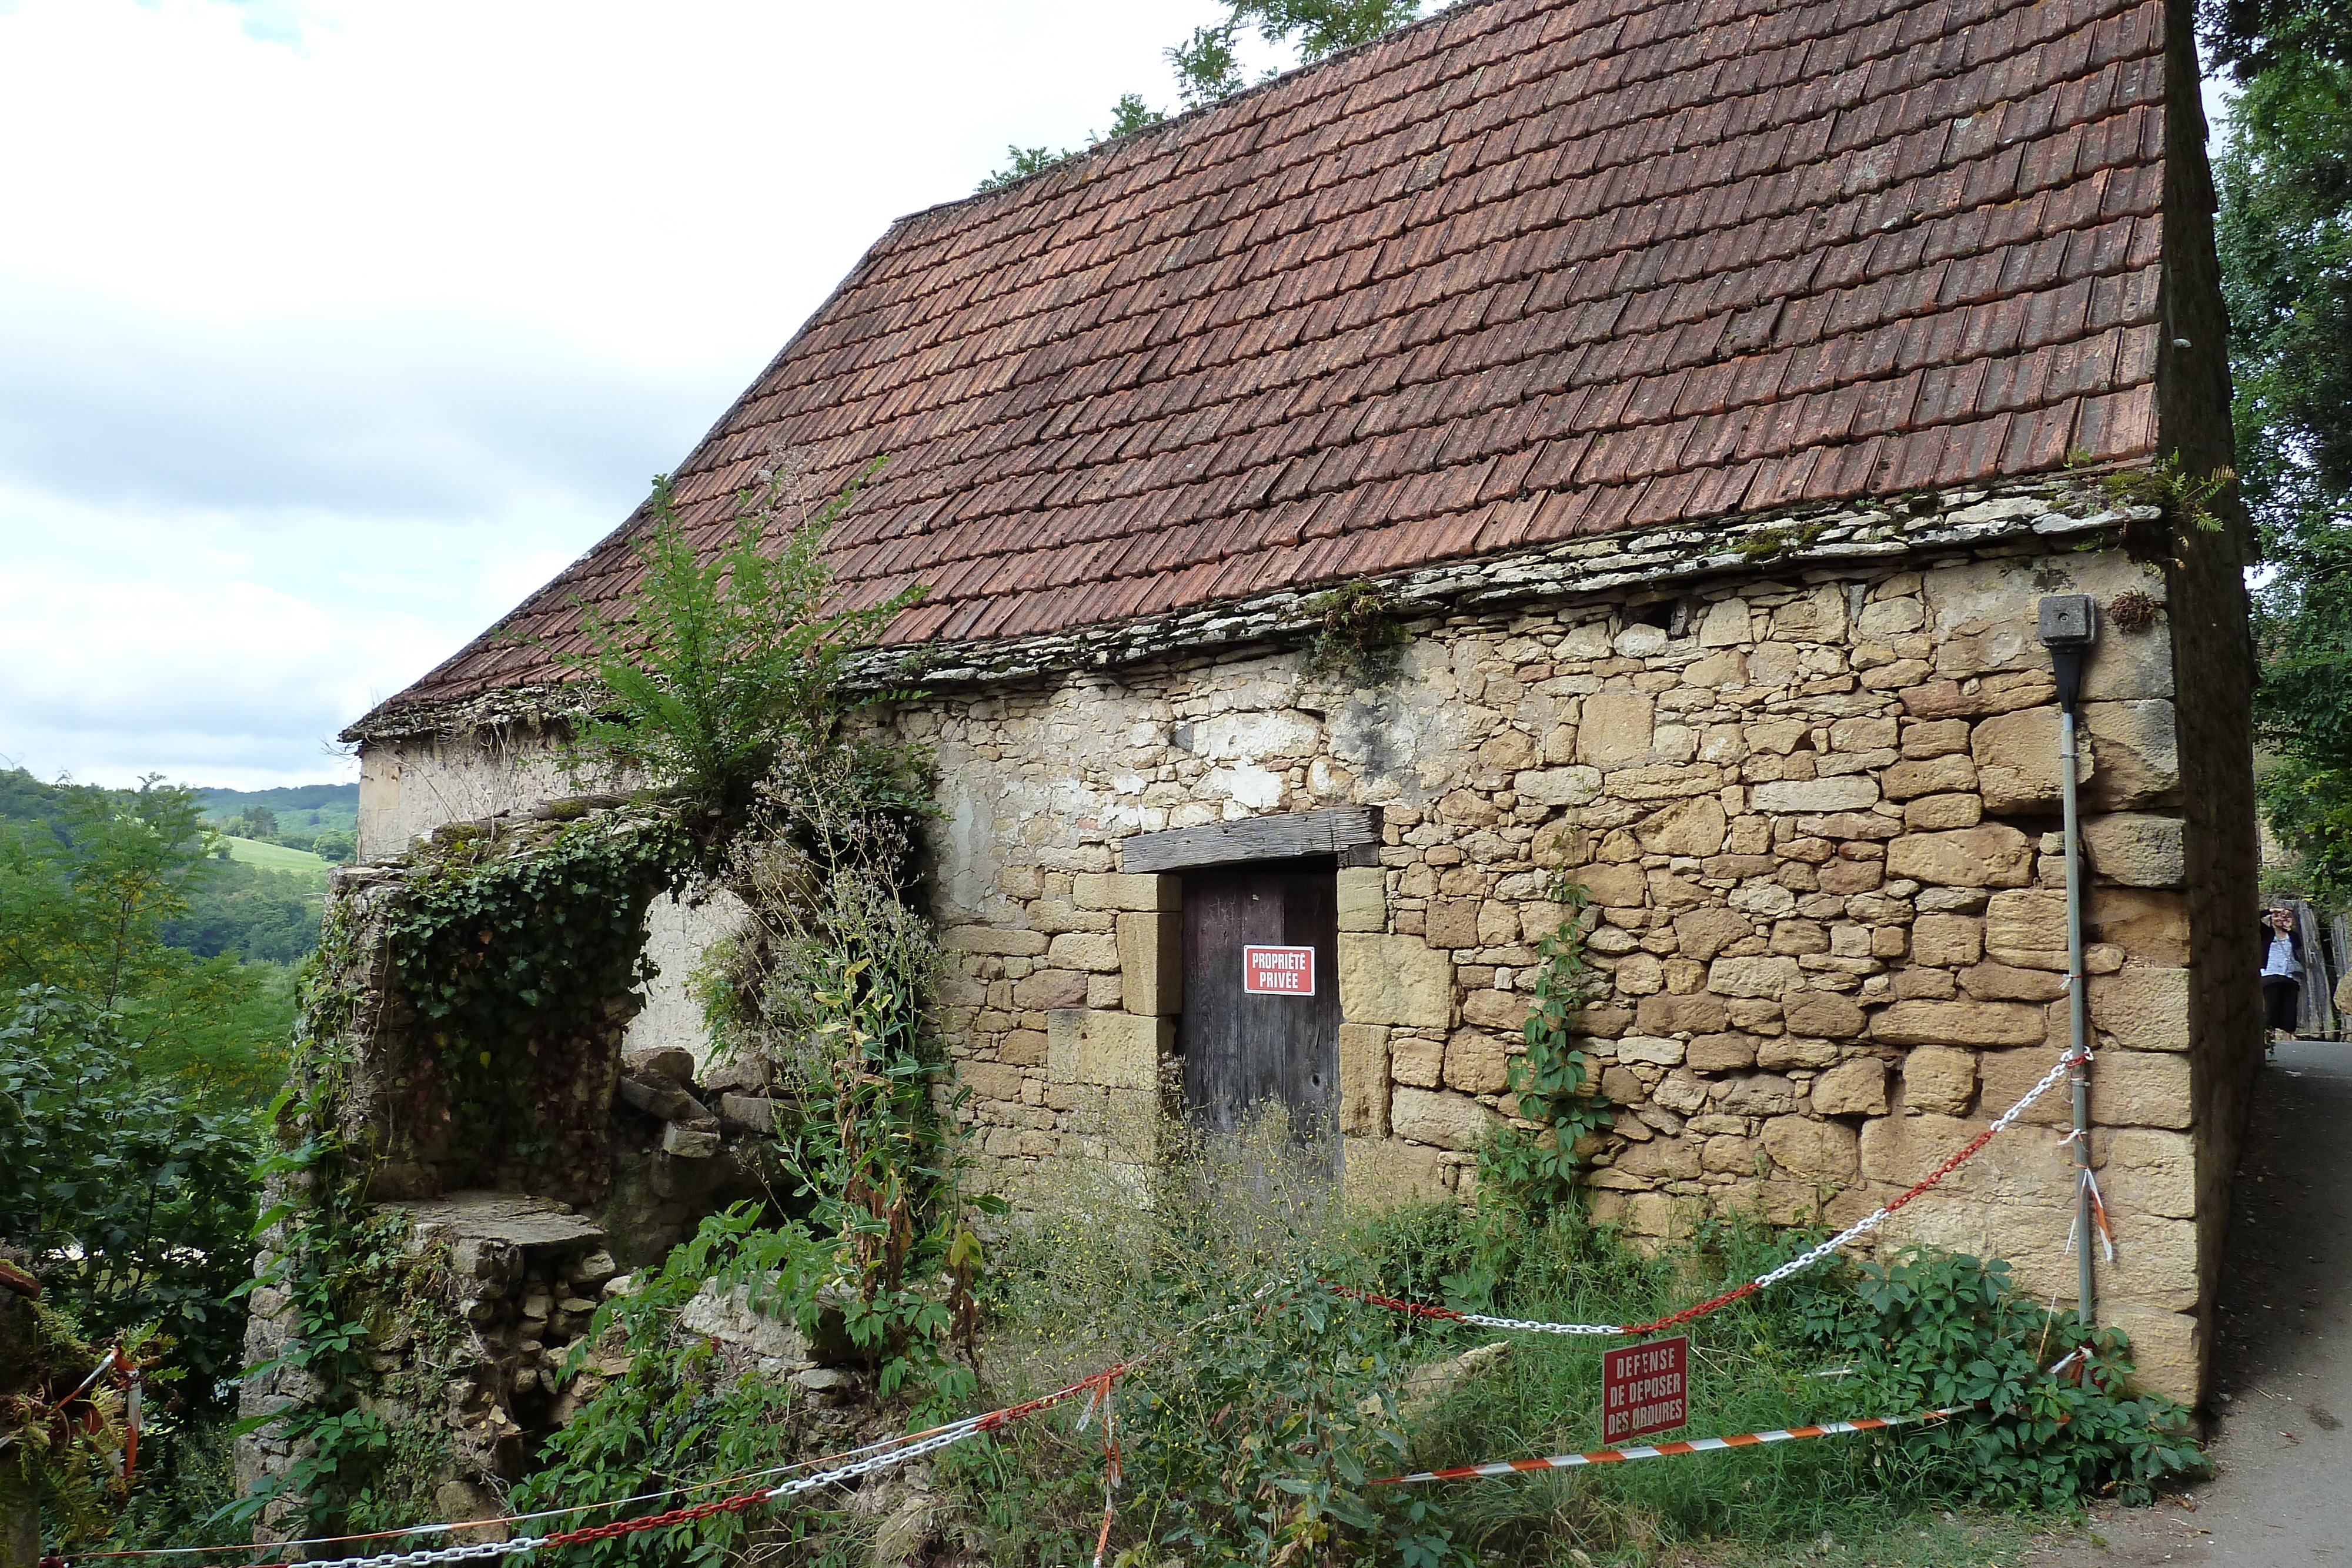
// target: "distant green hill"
[[308, 810], [277, 857], [262, 900]]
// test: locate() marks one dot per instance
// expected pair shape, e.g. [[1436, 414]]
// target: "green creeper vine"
[[511, 955], [324, 1245], [508, 957], [1549, 1081]]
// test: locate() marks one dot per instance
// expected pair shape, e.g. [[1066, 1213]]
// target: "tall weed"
[[1256, 1439]]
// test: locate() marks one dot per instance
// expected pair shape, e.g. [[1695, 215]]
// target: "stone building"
[[1708, 393]]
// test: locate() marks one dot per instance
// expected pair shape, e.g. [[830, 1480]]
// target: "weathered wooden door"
[[1248, 1044]]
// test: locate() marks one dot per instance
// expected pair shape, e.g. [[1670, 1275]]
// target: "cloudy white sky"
[[331, 327]]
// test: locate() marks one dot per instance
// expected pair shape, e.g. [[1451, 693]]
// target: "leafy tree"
[[2285, 236], [84, 915], [269, 916], [131, 1189], [2303, 621], [2255, 36], [90, 899], [1209, 70], [1022, 163], [130, 1076], [25, 800], [1129, 114], [2285, 240]]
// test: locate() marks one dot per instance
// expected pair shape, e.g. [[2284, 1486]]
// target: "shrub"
[[1254, 1442], [680, 1411], [135, 1197], [719, 667], [1938, 1330], [1267, 1403]]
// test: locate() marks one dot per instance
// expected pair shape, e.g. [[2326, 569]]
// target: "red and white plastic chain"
[[134, 1388], [936, 1440], [916, 1445], [1798, 1264], [1104, 1397]]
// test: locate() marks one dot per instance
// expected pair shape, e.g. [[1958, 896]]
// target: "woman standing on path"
[[2281, 973]]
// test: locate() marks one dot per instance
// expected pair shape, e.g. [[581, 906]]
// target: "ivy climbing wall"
[[472, 1156]]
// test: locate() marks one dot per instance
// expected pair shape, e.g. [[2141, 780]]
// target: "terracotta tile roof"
[[1530, 268]]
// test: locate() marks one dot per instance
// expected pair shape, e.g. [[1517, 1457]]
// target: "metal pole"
[[2077, 1014]]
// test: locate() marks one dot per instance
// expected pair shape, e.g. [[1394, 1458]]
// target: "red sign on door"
[[1645, 1388], [1278, 971]]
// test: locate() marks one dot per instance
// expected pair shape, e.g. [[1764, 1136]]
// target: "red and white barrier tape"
[[873, 1457], [925, 1443], [1664, 1451], [1100, 1389], [1105, 1398], [1762, 1281]]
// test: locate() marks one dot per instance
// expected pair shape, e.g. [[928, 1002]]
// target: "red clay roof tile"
[[1691, 259]]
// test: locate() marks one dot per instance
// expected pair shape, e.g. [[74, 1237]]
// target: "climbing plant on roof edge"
[[721, 664]]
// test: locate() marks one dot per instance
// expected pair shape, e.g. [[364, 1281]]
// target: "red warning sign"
[[1278, 971], [1645, 1388]]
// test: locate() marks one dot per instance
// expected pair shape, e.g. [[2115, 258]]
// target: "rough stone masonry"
[[1815, 811]]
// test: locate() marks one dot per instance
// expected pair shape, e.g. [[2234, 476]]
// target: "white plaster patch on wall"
[[958, 851], [677, 935], [1249, 736], [419, 784], [1247, 791]]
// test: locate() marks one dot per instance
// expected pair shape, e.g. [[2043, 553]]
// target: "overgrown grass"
[[1258, 1439]]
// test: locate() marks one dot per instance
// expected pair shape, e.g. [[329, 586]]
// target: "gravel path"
[[2281, 1492]]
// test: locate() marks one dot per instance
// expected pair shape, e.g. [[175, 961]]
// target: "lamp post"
[[2069, 624]]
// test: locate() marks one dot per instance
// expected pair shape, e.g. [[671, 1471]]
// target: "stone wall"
[[2213, 655], [1815, 810], [398, 1114], [649, 1139], [1807, 772], [500, 1289]]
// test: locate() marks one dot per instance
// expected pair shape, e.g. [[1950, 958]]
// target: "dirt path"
[[2281, 1492]]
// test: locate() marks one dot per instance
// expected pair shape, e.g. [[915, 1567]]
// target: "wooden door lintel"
[[1350, 832]]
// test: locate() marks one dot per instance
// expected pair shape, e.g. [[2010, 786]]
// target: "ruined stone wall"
[[649, 1140], [1815, 810], [411, 785]]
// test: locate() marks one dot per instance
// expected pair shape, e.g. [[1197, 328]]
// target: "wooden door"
[[1242, 1047]]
